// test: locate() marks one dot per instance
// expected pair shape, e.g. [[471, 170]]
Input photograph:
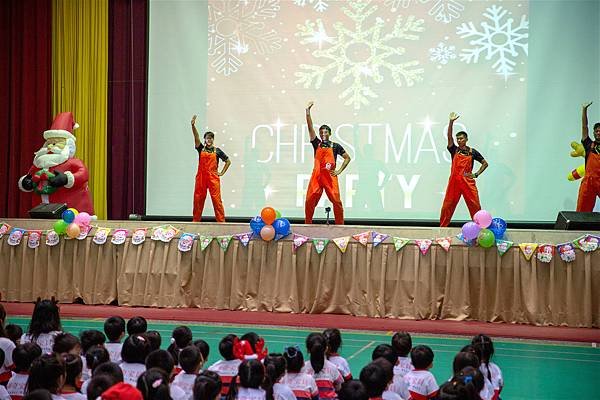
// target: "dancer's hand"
[[334, 172], [454, 116], [586, 105], [194, 120], [309, 105]]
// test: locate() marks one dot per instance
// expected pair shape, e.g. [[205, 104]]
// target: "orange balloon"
[[267, 232], [73, 230], [268, 215]]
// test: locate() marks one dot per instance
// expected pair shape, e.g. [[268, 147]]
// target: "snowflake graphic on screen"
[[356, 56], [236, 27], [318, 5], [499, 41], [441, 10], [442, 53]]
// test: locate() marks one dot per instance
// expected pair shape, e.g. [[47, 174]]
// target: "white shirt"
[[4, 394], [389, 395], [303, 385], [7, 346], [399, 386], [131, 372], [328, 379], [404, 366], [16, 385], [45, 341], [497, 381], [114, 350], [177, 393], [283, 392], [251, 394], [342, 366], [185, 382], [74, 396], [421, 384]]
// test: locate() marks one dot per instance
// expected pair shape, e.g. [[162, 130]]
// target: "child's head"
[[38, 394], [66, 343], [73, 368], [421, 357], [275, 366], [334, 340], [14, 333], [154, 385], [207, 386], [485, 346], [154, 338], [161, 359], [89, 338], [457, 389], [181, 337], [135, 349], [98, 385], [45, 318], [386, 352], [109, 368], [252, 338], [464, 359], [2, 357], [137, 326], [191, 360], [114, 328], [46, 372], [472, 376], [24, 354], [402, 343], [95, 356], [353, 390], [316, 344], [2, 318], [293, 359], [251, 374], [375, 378], [226, 347], [203, 347]]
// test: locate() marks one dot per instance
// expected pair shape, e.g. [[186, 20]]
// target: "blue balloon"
[[68, 216], [498, 227], [282, 227], [256, 224]]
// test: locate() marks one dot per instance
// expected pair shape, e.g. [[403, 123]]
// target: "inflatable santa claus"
[[56, 176]]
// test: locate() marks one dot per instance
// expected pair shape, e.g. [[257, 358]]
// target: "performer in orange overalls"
[[462, 178], [590, 185], [208, 175], [324, 175]]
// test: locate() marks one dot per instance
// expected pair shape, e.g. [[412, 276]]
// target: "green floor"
[[532, 370]]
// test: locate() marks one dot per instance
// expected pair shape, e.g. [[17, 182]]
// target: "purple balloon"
[[482, 218], [470, 230]]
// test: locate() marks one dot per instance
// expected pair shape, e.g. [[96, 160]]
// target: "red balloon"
[[268, 215], [267, 232]]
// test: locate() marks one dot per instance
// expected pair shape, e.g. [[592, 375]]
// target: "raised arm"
[[584, 121], [311, 129], [453, 117], [197, 141]]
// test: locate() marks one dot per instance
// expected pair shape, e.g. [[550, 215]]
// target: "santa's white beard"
[[44, 159]]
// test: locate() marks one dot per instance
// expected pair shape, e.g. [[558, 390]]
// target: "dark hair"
[[464, 359], [38, 394], [207, 386], [316, 344], [485, 346], [44, 319], [24, 354], [251, 374], [155, 339], [109, 368], [353, 390], [252, 338], [2, 357], [375, 378], [114, 327], [13, 332], [456, 389], [326, 127], [190, 359], [294, 359], [65, 342], [386, 352], [472, 376], [421, 356], [2, 319], [596, 125], [462, 133], [154, 385], [89, 338], [402, 343], [99, 384], [209, 134], [135, 349], [137, 325], [226, 347], [95, 356], [73, 368], [45, 373], [274, 369], [161, 359], [334, 340], [203, 347], [181, 337]]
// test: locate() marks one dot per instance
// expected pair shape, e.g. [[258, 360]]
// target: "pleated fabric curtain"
[[80, 82]]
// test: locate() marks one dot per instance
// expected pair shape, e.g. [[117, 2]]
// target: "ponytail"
[[316, 345]]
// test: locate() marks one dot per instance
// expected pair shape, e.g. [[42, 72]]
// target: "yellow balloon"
[[74, 210]]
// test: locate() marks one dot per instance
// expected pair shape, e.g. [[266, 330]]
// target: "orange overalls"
[[590, 185], [321, 179], [207, 179], [460, 185]]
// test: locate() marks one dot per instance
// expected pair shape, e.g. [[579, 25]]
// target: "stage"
[[464, 283]]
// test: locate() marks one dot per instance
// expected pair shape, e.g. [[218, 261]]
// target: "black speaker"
[[48, 210], [577, 221]]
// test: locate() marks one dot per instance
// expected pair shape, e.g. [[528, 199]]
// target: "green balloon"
[[486, 238], [277, 214], [60, 226]]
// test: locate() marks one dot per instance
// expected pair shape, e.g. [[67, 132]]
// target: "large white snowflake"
[[358, 55], [441, 10], [442, 53], [499, 41], [236, 27], [318, 5]]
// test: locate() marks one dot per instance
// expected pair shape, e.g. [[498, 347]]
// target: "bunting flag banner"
[[157, 233], [34, 239], [204, 241], [320, 244], [587, 243], [84, 232], [362, 238], [224, 241], [139, 236], [424, 245], [169, 233], [378, 238], [528, 249], [503, 246], [399, 242], [299, 240], [185, 242], [101, 235], [52, 238], [342, 243], [244, 238], [465, 241], [566, 251], [15, 236], [444, 242], [4, 229], [119, 236], [545, 252]]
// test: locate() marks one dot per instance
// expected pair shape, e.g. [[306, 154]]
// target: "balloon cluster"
[[72, 223], [485, 229], [269, 225]]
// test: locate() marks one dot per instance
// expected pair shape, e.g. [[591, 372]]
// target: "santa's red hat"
[[62, 127]]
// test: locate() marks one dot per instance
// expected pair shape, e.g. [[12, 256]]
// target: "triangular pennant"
[[34, 239], [362, 238], [139, 236], [424, 245], [545, 252], [15, 236], [4, 229], [320, 244], [342, 243], [101, 235], [204, 241], [444, 242], [299, 240], [157, 233], [224, 241], [52, 238], [503, 246], [244, 238], [465, 241], [566, 251], [399, 242], [587, 243], [378, 238], [169, 233], [83, 232], [528, 249], [185, 242], [119, 236]]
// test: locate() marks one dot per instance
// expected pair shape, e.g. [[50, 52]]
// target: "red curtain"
[[25, 90], [127, 107]]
